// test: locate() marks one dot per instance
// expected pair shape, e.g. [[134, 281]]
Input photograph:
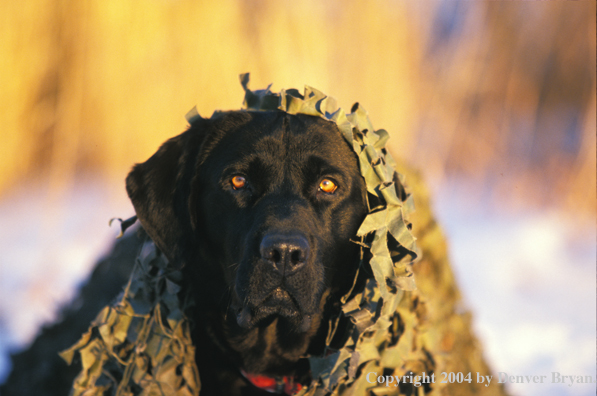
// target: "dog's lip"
[[278, 302], [277, 296]]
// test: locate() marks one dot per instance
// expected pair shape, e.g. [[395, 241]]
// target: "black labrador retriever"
[[258, 208]]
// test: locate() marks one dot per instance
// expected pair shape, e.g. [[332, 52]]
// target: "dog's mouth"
[[278, 303]]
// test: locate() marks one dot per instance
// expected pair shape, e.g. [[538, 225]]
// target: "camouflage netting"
[[142, 345]]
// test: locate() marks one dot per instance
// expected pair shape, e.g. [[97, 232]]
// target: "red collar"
[[287, 385]]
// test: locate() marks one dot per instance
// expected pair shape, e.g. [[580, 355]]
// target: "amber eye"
[[238, 182], [327, 186]]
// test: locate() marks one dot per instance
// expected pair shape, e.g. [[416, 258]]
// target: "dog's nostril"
[[275, 256], [296, 256]]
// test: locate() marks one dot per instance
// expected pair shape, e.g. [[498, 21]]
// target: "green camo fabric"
[[141, 345]]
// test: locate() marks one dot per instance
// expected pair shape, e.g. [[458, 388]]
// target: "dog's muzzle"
[[283, 256]]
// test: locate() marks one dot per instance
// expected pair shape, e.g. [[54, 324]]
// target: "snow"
[[49, 245], [529, 277]]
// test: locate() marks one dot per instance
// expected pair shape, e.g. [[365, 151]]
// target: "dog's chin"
[[279, 304]]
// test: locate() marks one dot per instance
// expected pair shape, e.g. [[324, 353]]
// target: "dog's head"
[[260, 208]]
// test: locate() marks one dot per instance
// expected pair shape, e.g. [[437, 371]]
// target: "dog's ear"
[[159, 189]]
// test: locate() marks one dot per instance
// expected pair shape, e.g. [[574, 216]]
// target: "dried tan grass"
[[98, 85]]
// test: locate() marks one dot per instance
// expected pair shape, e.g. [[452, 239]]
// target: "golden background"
[[499, 93]]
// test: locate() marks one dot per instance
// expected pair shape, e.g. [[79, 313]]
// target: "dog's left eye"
[[238, 182], [327, 186]]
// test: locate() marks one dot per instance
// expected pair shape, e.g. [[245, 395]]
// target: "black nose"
[[286, 253]]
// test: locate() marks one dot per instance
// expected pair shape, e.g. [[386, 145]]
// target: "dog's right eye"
[[327, 186], [238, 182]]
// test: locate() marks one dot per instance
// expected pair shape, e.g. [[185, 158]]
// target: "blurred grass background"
[[499, 93]]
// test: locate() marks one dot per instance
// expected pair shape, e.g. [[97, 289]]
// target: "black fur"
[[267, 262]]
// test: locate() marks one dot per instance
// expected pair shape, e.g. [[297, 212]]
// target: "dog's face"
[[280, 199], [264, 204]]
